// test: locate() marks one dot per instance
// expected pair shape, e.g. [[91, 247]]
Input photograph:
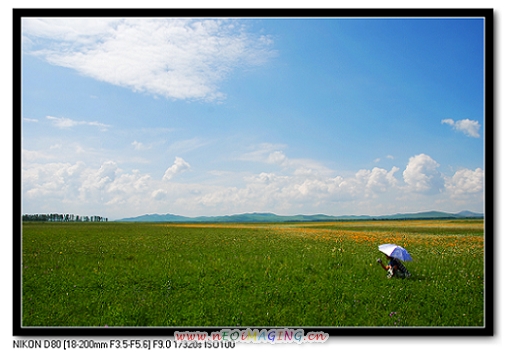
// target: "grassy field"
[[262, 275]]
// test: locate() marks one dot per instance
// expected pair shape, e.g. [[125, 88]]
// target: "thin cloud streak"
[[63, 123]]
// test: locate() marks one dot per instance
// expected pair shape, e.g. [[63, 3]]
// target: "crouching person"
[[394, 268]]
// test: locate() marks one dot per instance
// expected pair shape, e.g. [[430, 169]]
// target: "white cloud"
[[377, 160], [126, 182], [77, 188], [95, 182], [421, 175], [313, 187], [219, 197], [159, 194], [74, 31], [465, 182], [262, 153], [139, 146], [175, 58], [179, 166], [34, 156], [108, 190], [55, 181], [378, 179], [276, 157], [263, 178], [63, 123], [468, 127], [273, 155]]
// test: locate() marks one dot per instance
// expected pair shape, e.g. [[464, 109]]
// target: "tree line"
[[59, 217]]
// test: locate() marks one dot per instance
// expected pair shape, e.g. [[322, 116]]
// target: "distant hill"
[[273, 218]]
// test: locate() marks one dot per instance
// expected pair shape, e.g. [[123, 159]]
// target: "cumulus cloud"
[[319, 189], [364, 184], [179, 166], [175, 58], [421, 175], [94, 182], [51, 181], [468, 127], [465, 182], [107, 189], [67, 187], [379, 179]]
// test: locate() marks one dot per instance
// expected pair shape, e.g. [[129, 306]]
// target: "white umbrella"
[[395, 251]]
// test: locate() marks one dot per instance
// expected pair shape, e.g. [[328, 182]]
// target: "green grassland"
[[261, 275]]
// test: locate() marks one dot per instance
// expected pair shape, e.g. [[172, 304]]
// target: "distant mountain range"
[[273, 218]]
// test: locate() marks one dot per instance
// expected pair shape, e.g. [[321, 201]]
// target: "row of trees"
[[58, 217]]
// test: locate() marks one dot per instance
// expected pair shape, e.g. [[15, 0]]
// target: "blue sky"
[[123, 117]]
